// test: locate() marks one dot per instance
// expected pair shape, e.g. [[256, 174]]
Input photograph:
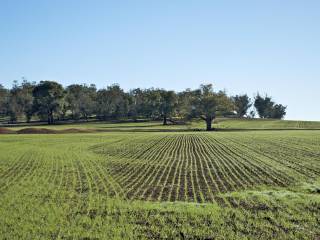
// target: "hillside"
[[274, 124]]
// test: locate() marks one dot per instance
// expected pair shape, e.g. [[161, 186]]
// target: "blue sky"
[[242, 46]]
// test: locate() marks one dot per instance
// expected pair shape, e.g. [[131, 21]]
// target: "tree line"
[[49, 101]]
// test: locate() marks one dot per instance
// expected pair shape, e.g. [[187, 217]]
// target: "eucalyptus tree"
[[112, 103], [207, 104], [267, 108], [4, 95], [20, 100], [263, 106], [80, 100], [168, 104], [278, 111], [48, 96], [242, 103]]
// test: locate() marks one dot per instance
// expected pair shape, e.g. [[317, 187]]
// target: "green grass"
[[158, 185], [223, 124], [267, 124]]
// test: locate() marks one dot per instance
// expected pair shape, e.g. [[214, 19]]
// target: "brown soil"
[[6, 131], [44, 131], [74, 130], [35, 131]]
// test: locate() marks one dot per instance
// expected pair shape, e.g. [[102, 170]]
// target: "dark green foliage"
[[266, 108], [4, 95], [80, 100], [26, 98], [168, 103], [184, 108], [242, 103], [206, 104], [49, 100], [48, 97], [278, 111], [14, 109], [112, 103], [136, 101], [152, 103], [20, 101]]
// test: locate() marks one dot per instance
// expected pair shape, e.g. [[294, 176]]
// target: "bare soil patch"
[[6, 131]]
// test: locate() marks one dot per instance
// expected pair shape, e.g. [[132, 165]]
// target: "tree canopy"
[[206, 104], [47, 100], [50, 101], [242, 104], [267, 108]]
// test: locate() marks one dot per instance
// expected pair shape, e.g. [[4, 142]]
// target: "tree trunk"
[[28, 117], [164, 120], [50, 118], [209, 122]]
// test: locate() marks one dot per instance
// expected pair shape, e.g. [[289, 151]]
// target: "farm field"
[[160, 185], [156, 126], [154, 120]]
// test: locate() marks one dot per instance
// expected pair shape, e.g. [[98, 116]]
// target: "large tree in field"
[[140, 103], [153, 102], [168, 103], [48, 99], [27, 98], [267, 108], [135, 101], [206, 104], [4, 95], [80, 100], [241, 103], [263, 106], [20, 100], [183, 110], [14, 108], [278, 111], [112, 103]]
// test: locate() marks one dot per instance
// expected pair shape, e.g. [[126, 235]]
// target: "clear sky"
[[269, 46]]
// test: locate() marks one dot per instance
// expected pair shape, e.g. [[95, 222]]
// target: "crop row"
[[162, 167], [199, 167]]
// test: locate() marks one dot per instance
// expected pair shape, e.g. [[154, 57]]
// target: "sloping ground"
[[266, 124], [253, 185]]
